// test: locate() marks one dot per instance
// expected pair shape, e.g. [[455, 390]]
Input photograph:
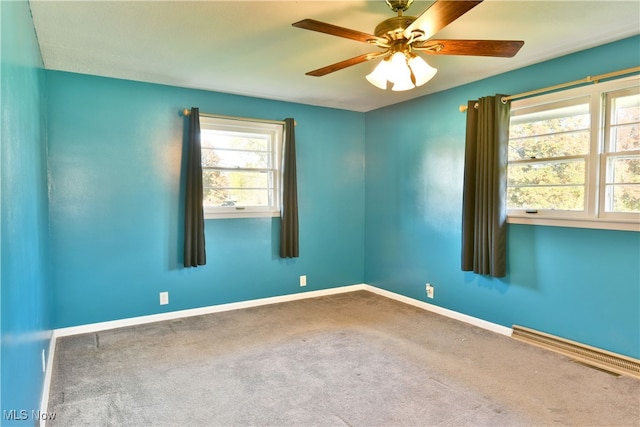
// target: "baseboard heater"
[[582, 353]]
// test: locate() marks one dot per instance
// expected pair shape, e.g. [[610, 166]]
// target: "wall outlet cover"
[[164, 298]]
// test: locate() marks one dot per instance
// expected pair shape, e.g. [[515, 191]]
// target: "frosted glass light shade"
[[378, 77], [398, 67], [400, 73], [403, 83], [422, 72]]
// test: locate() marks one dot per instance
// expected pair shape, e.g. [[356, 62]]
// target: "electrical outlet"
[[303, 280], [164, 298], [429, 290]]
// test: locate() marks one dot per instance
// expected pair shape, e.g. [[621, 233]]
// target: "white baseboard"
[[493, 327], [133, 321], [44, 401]]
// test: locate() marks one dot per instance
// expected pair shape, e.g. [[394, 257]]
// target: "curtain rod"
[[187, 112], [588, 79]]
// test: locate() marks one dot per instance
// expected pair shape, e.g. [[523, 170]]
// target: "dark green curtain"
[[194, 247], [289, 247], [484, 228]]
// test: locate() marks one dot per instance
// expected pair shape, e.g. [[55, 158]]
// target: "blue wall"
[[576, 283], [109, 238], [115, 153], [25, 287]]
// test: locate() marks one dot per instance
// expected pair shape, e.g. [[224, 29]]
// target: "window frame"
[[594, 215], [274, 130]]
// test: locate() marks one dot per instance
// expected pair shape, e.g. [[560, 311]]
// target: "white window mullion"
[[595, 148]]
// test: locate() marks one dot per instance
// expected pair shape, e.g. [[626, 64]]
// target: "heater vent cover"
[[583, 353]]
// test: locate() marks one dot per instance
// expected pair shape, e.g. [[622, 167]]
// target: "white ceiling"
[[250, 48]]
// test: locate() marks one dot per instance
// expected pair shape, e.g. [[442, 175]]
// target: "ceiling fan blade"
[[334, 30], [438, 16], [499, 48], [344, 64]]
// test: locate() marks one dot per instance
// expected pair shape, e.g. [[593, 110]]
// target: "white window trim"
[[241, 213], [599, 223], [276, 128], [591, 217]]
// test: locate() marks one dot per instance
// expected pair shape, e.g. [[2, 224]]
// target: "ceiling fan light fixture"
[[397, 71], [422, 71], [378, 77]]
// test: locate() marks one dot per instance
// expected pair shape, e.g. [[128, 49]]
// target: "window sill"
[[601, 223], [241, 214]]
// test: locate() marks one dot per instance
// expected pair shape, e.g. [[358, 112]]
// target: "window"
[[574, 157], [240, 167]]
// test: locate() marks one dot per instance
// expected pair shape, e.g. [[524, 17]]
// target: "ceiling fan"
[[400, 36]]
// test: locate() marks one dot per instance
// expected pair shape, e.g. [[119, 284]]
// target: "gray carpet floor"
[[355, 359]]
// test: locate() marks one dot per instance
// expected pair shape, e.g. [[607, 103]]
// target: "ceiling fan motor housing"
[[393, 28]]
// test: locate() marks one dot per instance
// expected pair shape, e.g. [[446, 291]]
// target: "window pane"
[[623, 170], [625, 109], [237, 188], [569, 198], [214, 178], [553, 145], [209, 157], [547, 173], [243, 179], [555, 120], [625, 138], [236, 159], [235, 140], [623, 198], [216, 197], [236, 197]]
